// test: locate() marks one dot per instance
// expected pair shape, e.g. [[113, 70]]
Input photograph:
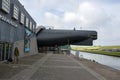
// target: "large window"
[[22, 18], [15, 12], [34, 28], [27, 22], [5, 51], [30, 25], [6, 5]]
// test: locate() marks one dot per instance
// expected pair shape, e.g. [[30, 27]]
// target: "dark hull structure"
[[51, 37]]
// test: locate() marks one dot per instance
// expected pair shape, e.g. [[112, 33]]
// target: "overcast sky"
[[100, 15]]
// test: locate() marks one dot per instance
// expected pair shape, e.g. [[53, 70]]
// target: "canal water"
[[110, 61]]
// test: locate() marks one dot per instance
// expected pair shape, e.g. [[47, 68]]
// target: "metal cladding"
[[49, 37], [13, 20]]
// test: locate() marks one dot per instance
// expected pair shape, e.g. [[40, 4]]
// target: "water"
[[110, 61]]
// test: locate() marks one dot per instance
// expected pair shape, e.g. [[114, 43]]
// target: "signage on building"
[[5, 19], [27, 40]]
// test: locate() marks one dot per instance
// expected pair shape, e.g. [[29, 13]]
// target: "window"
[[15, 12], [6, 5], [30, 25], [34, 28], [27, 22], [22, 18]]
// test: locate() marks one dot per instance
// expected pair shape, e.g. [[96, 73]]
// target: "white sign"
[[5, 19]]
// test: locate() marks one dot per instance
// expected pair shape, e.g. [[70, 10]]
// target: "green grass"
[[99, 50], [110, 47]]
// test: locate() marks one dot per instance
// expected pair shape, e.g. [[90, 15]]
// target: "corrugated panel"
[[9, 33]]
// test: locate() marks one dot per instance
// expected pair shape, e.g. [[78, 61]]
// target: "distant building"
[[17, 29]]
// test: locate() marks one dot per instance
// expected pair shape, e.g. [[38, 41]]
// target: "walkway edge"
[[98, 76]]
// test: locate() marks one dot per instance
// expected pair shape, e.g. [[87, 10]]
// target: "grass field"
[[105, 50]]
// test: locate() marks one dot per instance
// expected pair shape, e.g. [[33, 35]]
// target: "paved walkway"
[[56, 67]]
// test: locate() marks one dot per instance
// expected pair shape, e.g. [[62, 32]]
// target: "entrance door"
[[8, 50], [1, 48], [1, 51], [5, 51]]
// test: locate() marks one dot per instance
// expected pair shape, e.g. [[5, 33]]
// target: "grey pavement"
[[56, 67]]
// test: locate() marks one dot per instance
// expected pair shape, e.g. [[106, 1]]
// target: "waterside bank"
[[107, 72], [104, 50]]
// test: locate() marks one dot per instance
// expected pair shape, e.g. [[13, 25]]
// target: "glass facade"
[[5, 51]]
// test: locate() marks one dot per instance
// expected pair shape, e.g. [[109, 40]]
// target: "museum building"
[[17, 29]]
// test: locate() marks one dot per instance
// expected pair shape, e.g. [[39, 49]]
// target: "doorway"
[[1, 51], [5, 51]]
